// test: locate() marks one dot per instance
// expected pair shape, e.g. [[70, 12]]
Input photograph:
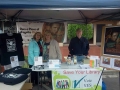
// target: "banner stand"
[[100, 78]]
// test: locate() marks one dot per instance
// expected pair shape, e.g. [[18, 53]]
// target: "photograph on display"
[[112, 41], [116, 64], [106, 61], [62, 84], [57, 30]]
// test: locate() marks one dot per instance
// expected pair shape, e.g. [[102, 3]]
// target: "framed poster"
[[106, 62], [111, 41], [116, 63]]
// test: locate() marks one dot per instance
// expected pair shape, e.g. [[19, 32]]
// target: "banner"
[[28, 29], [76, 79]]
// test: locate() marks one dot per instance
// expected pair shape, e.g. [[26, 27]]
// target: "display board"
[[110, 49], [28, 29], [76, 79]]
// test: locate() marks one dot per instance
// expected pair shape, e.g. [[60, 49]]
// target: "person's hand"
[[87, 57]]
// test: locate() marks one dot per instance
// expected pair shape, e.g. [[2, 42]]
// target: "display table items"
[[14, 76], [73, 77]]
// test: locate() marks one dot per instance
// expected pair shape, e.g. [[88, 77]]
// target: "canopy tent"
[[70, 16], [30, 4], [71, 11]]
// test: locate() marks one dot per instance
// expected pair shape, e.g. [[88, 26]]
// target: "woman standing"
[[51, 50], [34, 49]]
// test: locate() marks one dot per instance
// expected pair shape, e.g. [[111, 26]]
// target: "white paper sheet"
[[38, 61], [54, 63], [14, 61]]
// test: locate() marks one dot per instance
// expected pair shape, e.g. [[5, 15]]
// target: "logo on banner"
[[77, 83], [11, 45]]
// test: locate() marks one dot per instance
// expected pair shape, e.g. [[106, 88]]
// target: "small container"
[[69, 60], [75, 59]]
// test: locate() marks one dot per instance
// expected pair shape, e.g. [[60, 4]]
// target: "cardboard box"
[[27, 86]]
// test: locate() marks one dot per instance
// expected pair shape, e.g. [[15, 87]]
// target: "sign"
[[38, 61], [14, 61], [28, 29], [76, 79], [54, 64]]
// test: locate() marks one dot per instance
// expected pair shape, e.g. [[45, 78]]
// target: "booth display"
[[73, 76], [14, 75], [110, 51]]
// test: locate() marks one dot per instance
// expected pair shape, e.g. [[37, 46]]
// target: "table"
[[63, 66], [12, 87]]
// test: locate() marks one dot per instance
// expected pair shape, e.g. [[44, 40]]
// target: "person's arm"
[[30, 50], [58, 51], [70, 47]]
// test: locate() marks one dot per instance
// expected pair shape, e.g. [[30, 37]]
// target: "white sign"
[[76, 79], [54, 64], [28, 29], [14, 61], [38, 61]]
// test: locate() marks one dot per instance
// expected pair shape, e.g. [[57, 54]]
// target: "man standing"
[[79, 46]]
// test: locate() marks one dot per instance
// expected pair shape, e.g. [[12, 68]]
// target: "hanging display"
[[11, 49], [28, 29]]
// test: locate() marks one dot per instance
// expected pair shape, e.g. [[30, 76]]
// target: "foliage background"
[[87, 30]]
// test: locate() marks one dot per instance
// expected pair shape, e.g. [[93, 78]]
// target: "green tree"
[[87, 30]]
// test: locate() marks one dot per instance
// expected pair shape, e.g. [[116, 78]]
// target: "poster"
[[116, 63], [57, 30], [76, 79], [28, 29], [112, 41], [106, 62]]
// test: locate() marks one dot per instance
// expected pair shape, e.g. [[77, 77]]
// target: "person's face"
[[114, 36], [55, 28], [79, 34], [60, 36], [38, 36], [47, 37]]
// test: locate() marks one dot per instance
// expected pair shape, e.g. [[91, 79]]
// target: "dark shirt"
[[41, 49], [11, 46], [12, 78], [78, 46]]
